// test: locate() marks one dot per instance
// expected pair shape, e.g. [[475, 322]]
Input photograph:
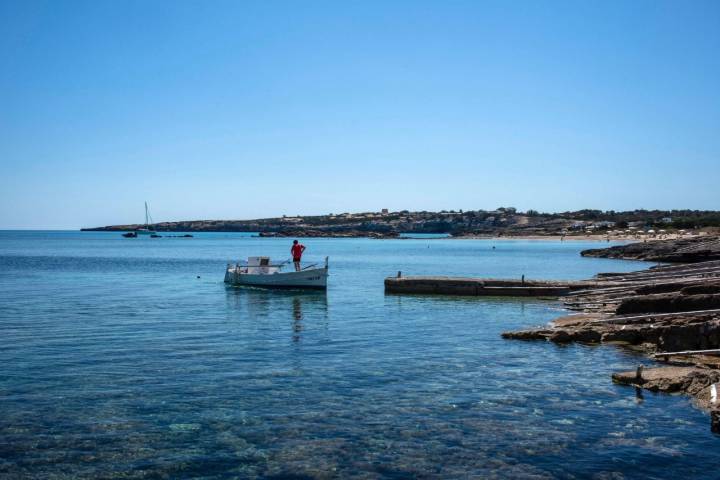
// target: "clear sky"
[[239, 109]]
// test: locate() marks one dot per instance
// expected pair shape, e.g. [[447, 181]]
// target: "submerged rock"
[[703, 384]]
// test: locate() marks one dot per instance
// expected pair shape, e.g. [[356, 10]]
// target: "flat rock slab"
[[577, 320], [690, 380]]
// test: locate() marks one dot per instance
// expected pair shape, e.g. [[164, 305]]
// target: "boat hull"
[[314, 279]]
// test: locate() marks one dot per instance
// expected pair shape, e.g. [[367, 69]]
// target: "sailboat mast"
[[146, 216]]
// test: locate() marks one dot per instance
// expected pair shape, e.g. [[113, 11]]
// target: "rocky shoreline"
[[682, 250], [670, 312]]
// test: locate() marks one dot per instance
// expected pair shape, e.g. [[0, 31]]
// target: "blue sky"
[[245, 109]]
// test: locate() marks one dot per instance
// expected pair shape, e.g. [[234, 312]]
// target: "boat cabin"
[[260, 266]]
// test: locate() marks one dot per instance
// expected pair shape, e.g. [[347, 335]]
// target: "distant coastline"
[[505, 222]]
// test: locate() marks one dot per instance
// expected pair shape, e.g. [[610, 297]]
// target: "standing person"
[[297, 250]]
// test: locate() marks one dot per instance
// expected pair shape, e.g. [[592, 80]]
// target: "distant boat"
[[143, 230], [147, 230], [261, 272]]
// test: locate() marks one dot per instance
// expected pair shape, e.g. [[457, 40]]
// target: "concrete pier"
[[481, 286]]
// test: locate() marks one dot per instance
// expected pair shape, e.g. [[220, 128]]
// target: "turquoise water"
[[129, 358]]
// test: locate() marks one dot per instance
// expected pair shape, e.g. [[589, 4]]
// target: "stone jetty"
[[439, 285], [669, 312]]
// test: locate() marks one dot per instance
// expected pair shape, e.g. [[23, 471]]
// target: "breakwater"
[[467, 286]]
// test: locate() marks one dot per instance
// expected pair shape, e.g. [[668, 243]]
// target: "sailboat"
[[146, 230]]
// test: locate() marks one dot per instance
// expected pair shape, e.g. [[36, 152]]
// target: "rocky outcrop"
[[701, 383], [685, 250], [670, 311], [692, 380], [689, 287], [668, 302], [651, 333], [668, 288], [669, 308]]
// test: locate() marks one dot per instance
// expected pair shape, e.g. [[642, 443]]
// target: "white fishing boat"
[[262, 272]]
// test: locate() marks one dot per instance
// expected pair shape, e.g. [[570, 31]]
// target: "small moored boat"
[[146, 230], [261, 272]]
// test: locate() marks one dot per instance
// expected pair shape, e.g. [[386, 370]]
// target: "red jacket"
[[297, 251]]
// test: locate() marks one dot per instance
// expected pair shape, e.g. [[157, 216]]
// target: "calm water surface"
[[129, 358]]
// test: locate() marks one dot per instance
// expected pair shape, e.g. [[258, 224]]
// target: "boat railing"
[[243, 267]]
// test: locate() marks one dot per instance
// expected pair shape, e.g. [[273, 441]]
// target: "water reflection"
[[408, 303], [297, 319], [257, 308]]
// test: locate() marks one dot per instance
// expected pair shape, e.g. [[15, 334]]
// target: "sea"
[[130, 358]]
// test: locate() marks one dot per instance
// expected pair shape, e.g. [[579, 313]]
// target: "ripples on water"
[[117, 361]]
